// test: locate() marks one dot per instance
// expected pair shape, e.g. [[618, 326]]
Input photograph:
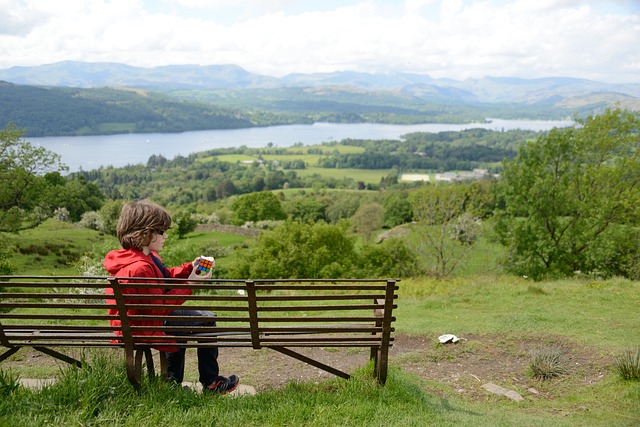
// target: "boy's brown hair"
[[139, 221]]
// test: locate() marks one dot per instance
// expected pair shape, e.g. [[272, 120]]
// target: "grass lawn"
[[498, 317], [54, 247]]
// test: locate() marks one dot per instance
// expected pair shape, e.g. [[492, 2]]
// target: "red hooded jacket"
[[134, 263]]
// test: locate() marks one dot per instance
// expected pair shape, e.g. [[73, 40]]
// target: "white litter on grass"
[[446, 338]]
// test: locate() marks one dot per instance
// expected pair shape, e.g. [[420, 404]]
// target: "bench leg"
[[311, 362], [59, 356], [133, 373], [149, 359], [8, 353], [134, 364], [382, 365], [164, 365]]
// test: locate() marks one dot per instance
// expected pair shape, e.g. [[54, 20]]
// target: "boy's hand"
[[198, 273]]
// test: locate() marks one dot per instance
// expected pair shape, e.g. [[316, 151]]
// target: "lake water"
[[92, 152]]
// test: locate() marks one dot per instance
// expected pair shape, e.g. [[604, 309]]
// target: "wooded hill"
[[57, 111], [64, 111]]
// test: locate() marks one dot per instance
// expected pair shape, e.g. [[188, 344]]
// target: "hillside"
[[77, 98], [55, 111]]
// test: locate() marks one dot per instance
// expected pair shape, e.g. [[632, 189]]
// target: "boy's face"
[[157, 241]]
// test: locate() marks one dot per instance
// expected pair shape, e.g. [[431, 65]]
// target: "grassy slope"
[[601, 315]]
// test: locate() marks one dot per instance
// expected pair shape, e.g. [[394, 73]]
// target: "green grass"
[[504, 308], [54, 247], [602, 314], [368, 176]]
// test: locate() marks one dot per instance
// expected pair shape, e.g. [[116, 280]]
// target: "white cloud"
[[592, 39]]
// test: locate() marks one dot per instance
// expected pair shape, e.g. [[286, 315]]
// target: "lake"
[[92, 152]]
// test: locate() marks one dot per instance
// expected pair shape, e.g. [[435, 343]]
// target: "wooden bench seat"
[[50, 313]]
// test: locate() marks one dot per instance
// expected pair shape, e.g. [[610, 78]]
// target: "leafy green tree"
[[75, 194], [256, 207], [444, 213], [368, 219], [226, 188], [110, 213], [22, 167], [343, 206], [308, 209], [300, 250], [397, 208], [185, 223], [571, 198]]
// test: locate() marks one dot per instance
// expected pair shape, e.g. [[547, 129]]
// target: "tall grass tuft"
[[9, 383], [546, 362], [627, 365]]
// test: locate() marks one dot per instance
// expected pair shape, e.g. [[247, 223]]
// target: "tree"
[[22, 167], [109, 214], [444, 213], [256, 207], [307, 209], [391, 258], [570, 198], [367, 219], [397, 208], [6, 252], [185, 223]]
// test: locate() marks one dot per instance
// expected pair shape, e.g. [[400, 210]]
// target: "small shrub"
[[546, 362], [628, 365]]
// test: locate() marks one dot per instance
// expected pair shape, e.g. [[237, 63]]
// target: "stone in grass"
[[501, 391]]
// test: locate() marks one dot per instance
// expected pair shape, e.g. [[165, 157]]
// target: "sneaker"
[[223, 385]]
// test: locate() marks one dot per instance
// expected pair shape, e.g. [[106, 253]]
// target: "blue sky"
[[459, 39]]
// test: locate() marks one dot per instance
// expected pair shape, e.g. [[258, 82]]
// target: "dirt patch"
[[459, 368], [446, 369]]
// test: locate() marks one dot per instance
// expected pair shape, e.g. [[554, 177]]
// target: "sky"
[[458, 39]]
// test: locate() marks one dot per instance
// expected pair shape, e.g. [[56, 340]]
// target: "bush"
[[91, 220], [546, 362], [391, 258], [628, 365]]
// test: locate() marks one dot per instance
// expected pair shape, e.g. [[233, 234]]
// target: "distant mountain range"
[[80, 98], [564, 92]]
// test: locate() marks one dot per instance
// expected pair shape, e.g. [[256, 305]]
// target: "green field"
[[500, 319], [367, 176]]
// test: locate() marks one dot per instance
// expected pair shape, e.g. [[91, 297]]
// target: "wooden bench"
[[47, 313]]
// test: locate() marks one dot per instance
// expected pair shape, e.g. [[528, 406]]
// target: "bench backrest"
[[71, 311]]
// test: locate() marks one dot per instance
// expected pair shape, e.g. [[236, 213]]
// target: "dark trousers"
[[207, 357]]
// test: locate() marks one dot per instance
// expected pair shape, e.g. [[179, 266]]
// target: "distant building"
[[462, 176]]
